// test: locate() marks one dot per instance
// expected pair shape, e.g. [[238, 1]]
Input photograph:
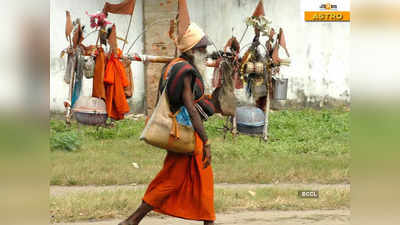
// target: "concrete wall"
[[59, 89], [319, 52], [157, 14], [318, 76]]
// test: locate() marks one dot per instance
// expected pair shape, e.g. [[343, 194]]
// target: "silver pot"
[[280, 88], [90, 110]]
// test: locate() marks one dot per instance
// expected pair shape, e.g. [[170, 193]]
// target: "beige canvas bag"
[[163, 131]]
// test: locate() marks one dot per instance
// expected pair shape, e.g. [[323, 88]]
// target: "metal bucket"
[[280, 88]]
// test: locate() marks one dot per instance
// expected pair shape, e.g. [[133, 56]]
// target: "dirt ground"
[[312, 217], [309, 217]]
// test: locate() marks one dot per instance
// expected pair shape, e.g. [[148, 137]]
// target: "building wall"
[[58, 42], [157, 16], [318, 75]]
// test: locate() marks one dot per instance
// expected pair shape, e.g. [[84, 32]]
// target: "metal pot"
[[90, 110], [280, 88]]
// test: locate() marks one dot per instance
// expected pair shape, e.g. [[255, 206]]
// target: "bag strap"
[[172, 63], [165, 75]]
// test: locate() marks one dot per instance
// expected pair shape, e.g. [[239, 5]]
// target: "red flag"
[[233, 44], [125, 7], [183, 18], [259, 10], [282, 41], [68, 25]]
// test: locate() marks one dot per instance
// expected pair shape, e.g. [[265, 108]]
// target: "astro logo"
[[328, 6], [327, 13]]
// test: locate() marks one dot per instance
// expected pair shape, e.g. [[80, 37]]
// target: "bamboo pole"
[[162, 59], [127, 32], [98, 38], [234, 125], [68, 115], [267, 107], [244, 33]]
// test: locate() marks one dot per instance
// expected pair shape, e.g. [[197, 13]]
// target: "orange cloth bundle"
[[99, 90], [129, 89], [115, 81]]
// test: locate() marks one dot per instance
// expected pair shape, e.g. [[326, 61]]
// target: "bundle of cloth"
[[112, 82]]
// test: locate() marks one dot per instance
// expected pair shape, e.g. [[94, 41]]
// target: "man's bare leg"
[[138, 215], [208, 222]]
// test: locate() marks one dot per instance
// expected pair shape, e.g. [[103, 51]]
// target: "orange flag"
[[259, 11], [77, 37], [125, 7], [183, 18], [275, 54], [282, 41], [68, 25], [112, 40]]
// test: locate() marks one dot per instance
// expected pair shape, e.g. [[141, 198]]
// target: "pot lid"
[[250, 116]]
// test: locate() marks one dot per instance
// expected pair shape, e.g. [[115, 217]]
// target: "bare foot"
[[127, 223]]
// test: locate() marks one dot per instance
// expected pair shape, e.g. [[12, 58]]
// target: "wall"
[[319, 73], [318, 76], [157, 14], [58, 88]]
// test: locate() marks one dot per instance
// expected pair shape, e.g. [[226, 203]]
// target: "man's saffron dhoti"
[[183, 188]]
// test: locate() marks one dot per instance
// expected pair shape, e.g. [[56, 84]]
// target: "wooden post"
[[68, 115], [267, 107], [234, 126]]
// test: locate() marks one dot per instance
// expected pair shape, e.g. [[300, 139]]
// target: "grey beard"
[[199, 62]]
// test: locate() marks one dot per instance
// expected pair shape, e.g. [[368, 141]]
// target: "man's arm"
[[196, 120], [189, 104]]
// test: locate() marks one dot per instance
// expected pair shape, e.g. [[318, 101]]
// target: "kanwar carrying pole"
[[162, 59]]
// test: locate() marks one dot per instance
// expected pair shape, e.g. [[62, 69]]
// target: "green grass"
[[305, 146], [120, 203]]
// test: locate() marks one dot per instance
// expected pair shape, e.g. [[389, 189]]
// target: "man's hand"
[[206, 156]]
